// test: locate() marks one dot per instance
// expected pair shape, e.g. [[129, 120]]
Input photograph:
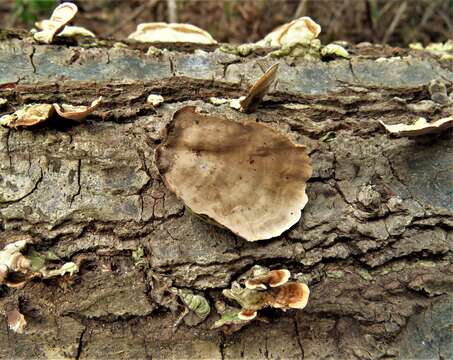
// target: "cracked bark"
[[374, 242]]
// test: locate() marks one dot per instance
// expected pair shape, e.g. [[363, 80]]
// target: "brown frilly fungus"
[[245, 176], [273, 278], [76, 113]]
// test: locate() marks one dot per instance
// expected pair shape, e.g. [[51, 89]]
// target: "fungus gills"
[[245, 176]]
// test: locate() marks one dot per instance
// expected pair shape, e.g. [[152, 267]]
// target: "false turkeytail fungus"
[[163, 32], [420, 127], [245, 176], [61, 16], [273, 278]]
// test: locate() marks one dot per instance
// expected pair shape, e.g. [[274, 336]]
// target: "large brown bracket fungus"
[[244, 176]]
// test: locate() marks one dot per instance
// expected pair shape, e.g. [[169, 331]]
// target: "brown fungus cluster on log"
[[244, 176]]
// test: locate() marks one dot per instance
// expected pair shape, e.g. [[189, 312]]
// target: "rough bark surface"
[[374, 242]]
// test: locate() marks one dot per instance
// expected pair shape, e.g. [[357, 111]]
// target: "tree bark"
[[374, 242]]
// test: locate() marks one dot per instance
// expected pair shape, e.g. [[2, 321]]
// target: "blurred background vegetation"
[[396, 22]]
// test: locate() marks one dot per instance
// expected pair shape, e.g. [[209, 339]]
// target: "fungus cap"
[[16, 321], [420, 127], [28, 115], [293, 295], [273, 278], [247, 314], [298, 31], [246, 176], [76, 113], [163, 32]]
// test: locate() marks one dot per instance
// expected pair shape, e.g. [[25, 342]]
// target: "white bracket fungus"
[[298, 31], [155, 100], [420, 127], [61, 16], [12, 261], [169, 33]]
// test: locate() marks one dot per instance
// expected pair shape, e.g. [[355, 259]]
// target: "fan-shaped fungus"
[[76, 113], [163, 32], [298, 31], [293, 295], [245, 176], [420, 127], [273, 278]]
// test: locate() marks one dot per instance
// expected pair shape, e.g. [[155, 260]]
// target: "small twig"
[[172, 11], [301, 9], [395, 22]]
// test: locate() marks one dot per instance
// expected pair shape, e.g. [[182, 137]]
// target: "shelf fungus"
[[298, 31], [170, 33], [249, 102], [256, 296], [155, 100], [61, 16], [34, 114], [76, 113], [243, 176], [273, 278], [420, 127], [333, 51], [28, 115], [257, 92], [16, 269], [291, 295]]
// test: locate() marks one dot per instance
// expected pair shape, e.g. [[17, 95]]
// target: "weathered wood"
[[374, 242]]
